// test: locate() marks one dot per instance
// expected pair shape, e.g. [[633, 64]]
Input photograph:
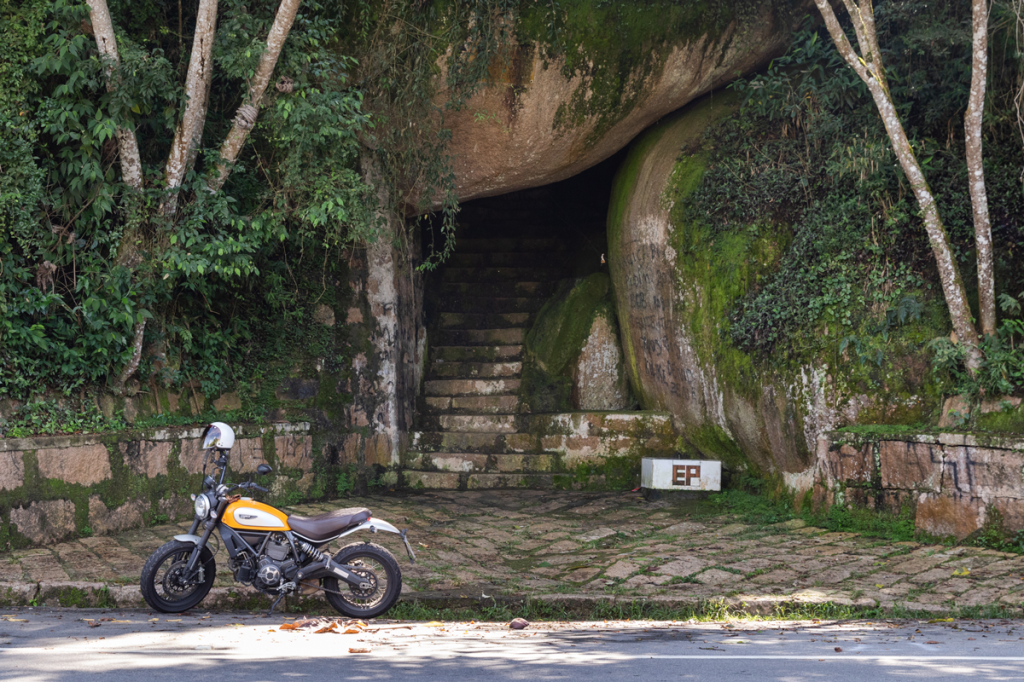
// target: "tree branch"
[[188, 135], [106, 43], [245, 117]]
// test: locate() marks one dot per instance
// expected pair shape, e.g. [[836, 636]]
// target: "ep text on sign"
[[680, 474], [683, 474]]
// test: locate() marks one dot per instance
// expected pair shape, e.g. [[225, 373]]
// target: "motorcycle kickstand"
[[274, 605]]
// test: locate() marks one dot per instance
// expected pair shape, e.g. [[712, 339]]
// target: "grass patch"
[[712, 610]]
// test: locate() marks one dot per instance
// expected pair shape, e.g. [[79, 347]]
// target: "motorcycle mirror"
[[263, 469]]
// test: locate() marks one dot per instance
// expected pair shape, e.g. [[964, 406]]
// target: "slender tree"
[[975, 169], [127, 145], [189, 131], [245, 117], [869, 67]]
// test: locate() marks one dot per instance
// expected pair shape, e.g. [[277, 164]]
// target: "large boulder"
[[548, 112], [671, 308]]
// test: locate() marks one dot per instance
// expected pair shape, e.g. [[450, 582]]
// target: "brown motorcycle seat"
[[326, 526]]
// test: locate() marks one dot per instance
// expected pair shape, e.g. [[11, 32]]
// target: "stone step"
[[496, 245], [481, 337], [471, 462], [485, 320], [499, 289], [490, 304], [475, 353], [470, 423], [475, 369], [474, 387], [501, 274], [532, 259], [450, 480], [471, 404], [476, 442]]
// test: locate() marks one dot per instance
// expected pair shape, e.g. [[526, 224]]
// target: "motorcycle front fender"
[[194, 539]]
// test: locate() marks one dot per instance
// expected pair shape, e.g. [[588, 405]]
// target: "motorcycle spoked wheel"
[[376, 564], [162, 585]]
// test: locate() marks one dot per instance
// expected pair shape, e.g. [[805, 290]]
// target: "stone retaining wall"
[[954, 482], [55, 487]]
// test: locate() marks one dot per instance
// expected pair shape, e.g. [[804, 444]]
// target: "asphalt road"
[[61, 644]]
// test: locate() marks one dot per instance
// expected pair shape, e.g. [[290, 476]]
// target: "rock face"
[[599, 377], [670, 315], [544, 119], [43, 522]]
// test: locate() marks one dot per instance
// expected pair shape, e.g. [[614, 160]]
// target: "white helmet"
[[218, 435]]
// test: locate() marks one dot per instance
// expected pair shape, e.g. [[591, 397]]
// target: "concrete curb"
[[93, 595]]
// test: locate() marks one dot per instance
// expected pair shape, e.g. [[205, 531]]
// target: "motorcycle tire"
[[159, 587], [380, 566]]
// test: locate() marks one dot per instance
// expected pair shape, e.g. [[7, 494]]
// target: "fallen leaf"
[[358, 650], [839, 649], [519, 624], [94, 625], [353, 631], [934, 642], [941, 620], [289, 626], [434, 624], [333, 627]]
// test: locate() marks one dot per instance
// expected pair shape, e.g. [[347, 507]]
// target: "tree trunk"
[[975, 168], [106, 43], [382, 295], [188, 135], [245, 117], [868, 65]]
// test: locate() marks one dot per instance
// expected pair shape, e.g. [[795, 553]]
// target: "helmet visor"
[[212, 437]]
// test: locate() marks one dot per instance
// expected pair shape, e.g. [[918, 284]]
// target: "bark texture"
[[868, 65], [106, 43], [188, 135], [975, 167], [245, 117]]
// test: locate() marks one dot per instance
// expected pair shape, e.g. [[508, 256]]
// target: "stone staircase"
[[473, 432], [489, 293]]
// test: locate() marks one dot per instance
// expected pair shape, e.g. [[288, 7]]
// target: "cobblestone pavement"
[[582, 546]]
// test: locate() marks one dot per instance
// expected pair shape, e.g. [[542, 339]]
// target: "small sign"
[[681, 474]]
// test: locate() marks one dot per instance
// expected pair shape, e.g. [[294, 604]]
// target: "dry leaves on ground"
[[322, 625]]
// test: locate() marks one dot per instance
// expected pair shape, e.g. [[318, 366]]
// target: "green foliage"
[[856, 281], [993, 535], [1002, 372], [52, 417], [84, 259]]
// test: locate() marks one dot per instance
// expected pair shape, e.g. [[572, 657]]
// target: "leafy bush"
[[49, 417]]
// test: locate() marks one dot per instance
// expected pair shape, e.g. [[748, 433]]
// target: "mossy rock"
[[564, 322]]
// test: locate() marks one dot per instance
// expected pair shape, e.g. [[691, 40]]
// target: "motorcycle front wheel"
[[379, 567], [164, 584]]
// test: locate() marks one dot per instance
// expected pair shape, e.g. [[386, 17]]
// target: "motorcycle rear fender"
[[373, 525]]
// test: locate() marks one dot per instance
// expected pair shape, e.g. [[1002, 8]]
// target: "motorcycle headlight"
[[202, 506]]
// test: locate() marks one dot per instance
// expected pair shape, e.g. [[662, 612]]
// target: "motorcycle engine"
[[275, 565]]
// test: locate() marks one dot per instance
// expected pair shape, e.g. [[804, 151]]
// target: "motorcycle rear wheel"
[[161, 583], [380, 568]]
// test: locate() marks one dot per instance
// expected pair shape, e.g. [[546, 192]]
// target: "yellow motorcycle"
[[277, 553]]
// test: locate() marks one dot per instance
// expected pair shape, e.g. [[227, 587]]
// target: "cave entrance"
[[487, 407]]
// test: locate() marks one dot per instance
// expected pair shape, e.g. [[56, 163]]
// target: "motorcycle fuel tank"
[[248, 514]]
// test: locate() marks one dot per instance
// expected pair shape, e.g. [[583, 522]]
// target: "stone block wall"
[[954, 482], [56, 487]]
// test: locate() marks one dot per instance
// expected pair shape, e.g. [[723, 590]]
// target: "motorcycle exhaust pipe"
[[331, 569]]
